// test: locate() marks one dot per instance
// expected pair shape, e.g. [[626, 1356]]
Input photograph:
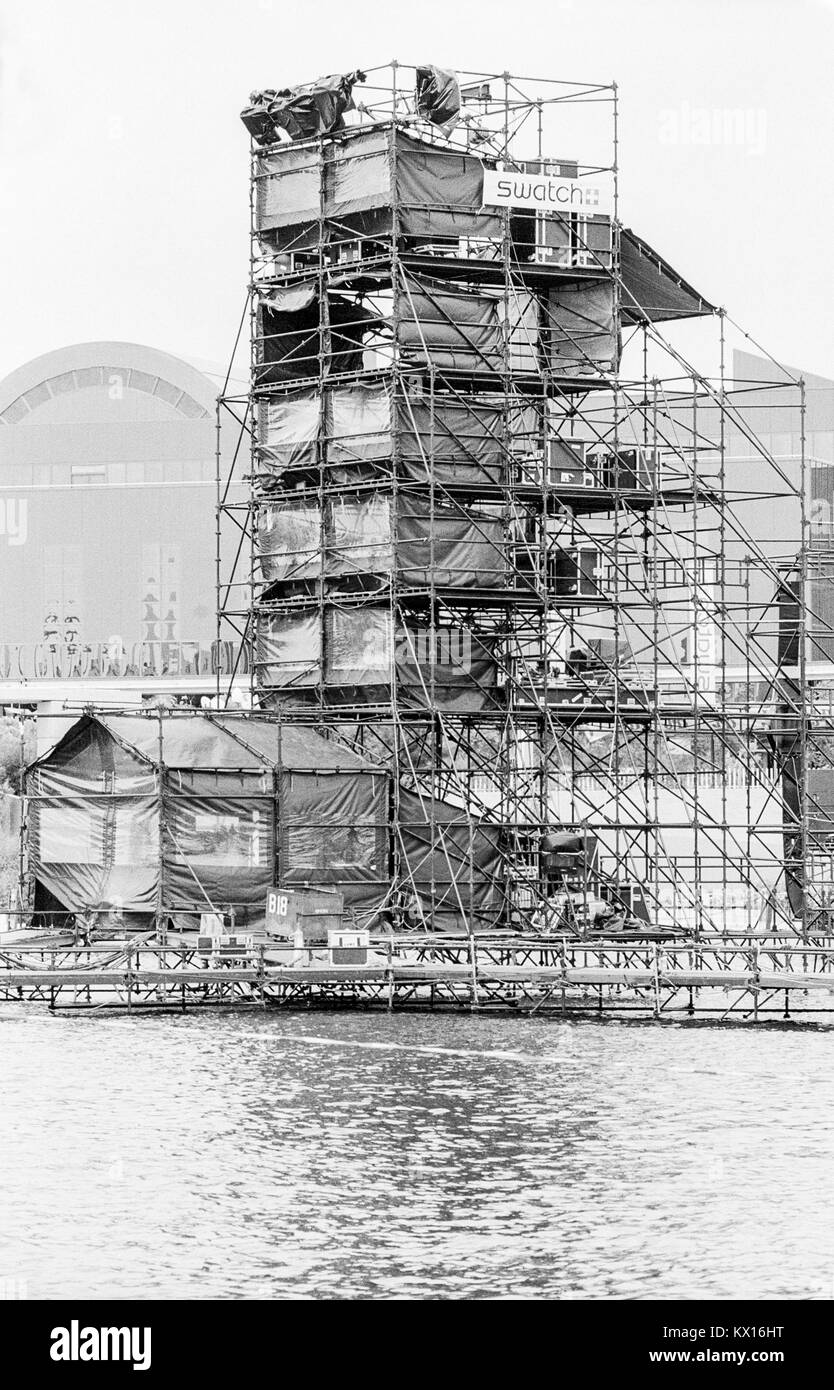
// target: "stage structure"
[[500, 535]]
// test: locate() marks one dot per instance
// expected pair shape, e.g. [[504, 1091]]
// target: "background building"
[[107, 531]]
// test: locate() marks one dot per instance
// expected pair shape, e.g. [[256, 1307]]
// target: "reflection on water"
[[252, 1155]]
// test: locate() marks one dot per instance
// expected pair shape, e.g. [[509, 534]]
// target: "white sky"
[[123, 163]]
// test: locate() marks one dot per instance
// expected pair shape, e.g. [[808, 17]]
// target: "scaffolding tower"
[[500, 535]]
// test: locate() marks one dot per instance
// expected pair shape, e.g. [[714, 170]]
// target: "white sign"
[[545, 192]]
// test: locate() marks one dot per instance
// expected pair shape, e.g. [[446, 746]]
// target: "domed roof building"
[[107, 526]]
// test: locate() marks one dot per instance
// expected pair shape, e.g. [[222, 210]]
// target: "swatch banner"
[[544, 192]]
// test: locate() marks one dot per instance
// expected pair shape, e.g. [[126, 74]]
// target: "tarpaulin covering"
[[334, 830], [455, 441], [209, 828], [440, 193], [454, 329], [288, 649], [463, 330], [374, 534], [821, 801], [219, 850], [288, 430], [289, 540], [581, 329], [361, 648], [651, 288], [353, 429], [356, 181], [452, 864], [437, 94], [305, 111], [451, 545], [94, 850], [291, 325]]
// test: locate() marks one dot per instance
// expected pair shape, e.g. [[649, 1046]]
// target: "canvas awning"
[[652, 290]]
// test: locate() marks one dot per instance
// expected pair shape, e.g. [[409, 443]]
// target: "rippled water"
[[246, 1155]]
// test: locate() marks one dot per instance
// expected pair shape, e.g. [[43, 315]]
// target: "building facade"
[[107, 527]]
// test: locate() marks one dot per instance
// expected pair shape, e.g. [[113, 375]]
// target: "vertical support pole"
[[656, 974], [473, 962], [218, 549], [24, 818], [161, 930], [803, 699]]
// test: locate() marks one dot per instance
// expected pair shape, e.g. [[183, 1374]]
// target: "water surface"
[[271, 1155]]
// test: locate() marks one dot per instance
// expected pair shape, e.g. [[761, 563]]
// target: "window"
[[87, 475]]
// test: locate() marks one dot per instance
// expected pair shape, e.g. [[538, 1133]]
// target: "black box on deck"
[[578, 571], [629, 469], [569, 465]]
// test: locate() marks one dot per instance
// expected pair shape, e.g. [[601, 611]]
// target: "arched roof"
[[145, 369]]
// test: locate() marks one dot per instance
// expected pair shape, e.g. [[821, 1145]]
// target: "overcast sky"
[[123, 174]]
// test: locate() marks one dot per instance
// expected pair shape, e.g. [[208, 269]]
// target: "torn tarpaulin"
[[303, 112], [438, 94]]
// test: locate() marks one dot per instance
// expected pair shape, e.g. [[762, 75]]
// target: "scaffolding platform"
[[735, 978]]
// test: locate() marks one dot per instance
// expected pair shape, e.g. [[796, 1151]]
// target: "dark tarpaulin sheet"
[[96, 851], [820, 610], [289, 327], [188, 741], [464, 331], [821, 800], [440, 193], [334, 830], [454, 668], [219, 850], [455, 440], [581, 328], [455, 546], [91, 753], [651, 288], [292, 748], [451, 862], [437, 94], [304, 112]]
